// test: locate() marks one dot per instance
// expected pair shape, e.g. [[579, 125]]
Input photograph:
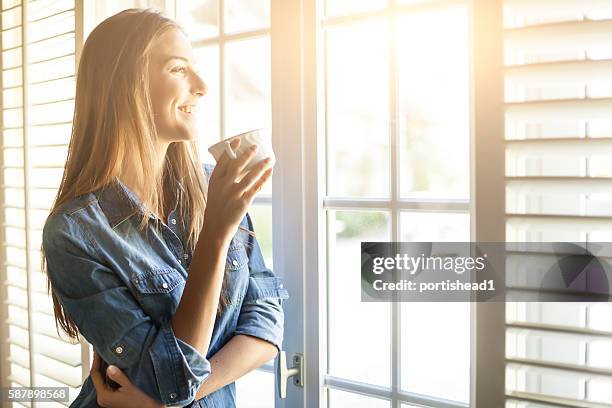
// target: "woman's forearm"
[[195, 315], [238, 357]]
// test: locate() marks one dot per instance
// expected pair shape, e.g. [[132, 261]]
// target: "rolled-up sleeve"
[[261, 313], [110, 318]]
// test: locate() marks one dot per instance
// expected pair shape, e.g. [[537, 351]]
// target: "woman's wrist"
[[214, 238]]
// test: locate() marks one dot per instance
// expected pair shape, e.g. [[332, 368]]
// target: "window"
[[396, 133]]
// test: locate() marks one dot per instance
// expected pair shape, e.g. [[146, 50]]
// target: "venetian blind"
[[558, 92], [39, 40]]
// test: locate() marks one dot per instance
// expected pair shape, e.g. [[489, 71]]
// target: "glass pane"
[[245, 15], [208, 118], [357, 110], [342, 399], [430, 363], [430, 227], [261, 215], [434, 104], [199, 18], [247, 89], [359, 344], [335, 7], [255, 390]]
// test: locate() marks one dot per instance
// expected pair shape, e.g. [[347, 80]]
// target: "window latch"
[[283, 373]]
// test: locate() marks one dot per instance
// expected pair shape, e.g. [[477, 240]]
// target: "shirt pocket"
[[236, 274], [159, 291]]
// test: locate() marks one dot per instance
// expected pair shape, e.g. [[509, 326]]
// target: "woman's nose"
[[199, 86]]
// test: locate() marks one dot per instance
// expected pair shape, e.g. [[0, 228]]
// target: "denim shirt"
[[121, 286]]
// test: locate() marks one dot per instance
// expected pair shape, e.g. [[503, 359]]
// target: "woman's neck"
[[133, 176]]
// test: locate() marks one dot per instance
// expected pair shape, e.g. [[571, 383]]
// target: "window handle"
[[283, 372]]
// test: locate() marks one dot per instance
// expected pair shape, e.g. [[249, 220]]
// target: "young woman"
[[150, 257]]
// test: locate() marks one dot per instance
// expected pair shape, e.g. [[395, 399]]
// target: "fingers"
[[239, 164], [118, 376], [96, 362], [225, 160], [254, 174], [249, 194], [96, 376]]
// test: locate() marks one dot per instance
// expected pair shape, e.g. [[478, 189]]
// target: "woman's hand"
[[229, 200], [128, 396]]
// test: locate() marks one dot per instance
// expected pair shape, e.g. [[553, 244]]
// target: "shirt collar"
[[118, 203]]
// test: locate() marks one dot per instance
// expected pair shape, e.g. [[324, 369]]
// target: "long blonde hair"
[[113, 128]]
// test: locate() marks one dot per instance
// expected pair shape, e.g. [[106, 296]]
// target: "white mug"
[[259, 137]]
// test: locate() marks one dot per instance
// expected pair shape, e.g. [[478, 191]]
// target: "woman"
[[150, 257]]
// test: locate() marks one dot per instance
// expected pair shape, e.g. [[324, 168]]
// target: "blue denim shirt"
[[121, 286]]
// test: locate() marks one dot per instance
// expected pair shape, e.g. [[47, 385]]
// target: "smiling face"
[[174, 87]]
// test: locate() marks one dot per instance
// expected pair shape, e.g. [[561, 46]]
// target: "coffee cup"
[[259, 137]]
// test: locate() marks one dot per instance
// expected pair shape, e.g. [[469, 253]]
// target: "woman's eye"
[[180, 70]]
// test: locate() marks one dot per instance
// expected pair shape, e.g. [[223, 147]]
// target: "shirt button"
[[172, 395], [185, 256], [118, 349], [165, 285], [235, 262], [173, 221]]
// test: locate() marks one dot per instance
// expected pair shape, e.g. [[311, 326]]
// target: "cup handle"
[[229, 151]]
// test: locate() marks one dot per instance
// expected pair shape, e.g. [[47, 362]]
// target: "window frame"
[[486, 204]]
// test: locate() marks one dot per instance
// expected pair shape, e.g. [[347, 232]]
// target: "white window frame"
[[299, 204]]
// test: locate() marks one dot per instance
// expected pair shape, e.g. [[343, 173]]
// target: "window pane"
[[342, 399], [357, 110], [255, 390], [199, 18], [434, 104], [430, 227], [432, 363], [261, 215], [208, 119], [248, 101], [335, 7], [245, 15], [359, 345]]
